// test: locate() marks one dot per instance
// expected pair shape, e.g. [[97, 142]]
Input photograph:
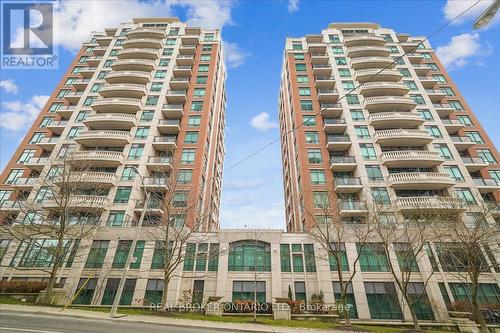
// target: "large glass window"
[[314, 156], [97, 254], [337, 293], [340, 250], [318, 177], [286, 265], [249, 290], [368, 151], [154, 291], [249, 255], [486, 156], [383, 300], [121, 253], [112, 287], [372, 257], [421, 304], [86, 294]]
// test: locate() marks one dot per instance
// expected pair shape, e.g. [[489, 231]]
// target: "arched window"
[[250, 255]]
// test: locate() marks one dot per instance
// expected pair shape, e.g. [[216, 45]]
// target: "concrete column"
[[323, 274], [222, 273], [276, 289]]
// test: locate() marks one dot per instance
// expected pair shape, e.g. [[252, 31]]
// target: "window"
[[357, 115], [475, 137], [405, 72], [201, 257], [46, 121], [189, 257], [456, 105], [207, 48], [87, 287], [139, 249], [337, 293], [304, 91], [160, 74], [116, 218], [194, 121], [362, 132], [338, 249], [128, 173], [454, 172], [448, 91], [306, 105], [383, 300], [37, 137], [191, 137], [4, 244], [352, 99], [297, 46], [298, 56], [434, 131], [142, 132], [320, 199], [393, 49], [121, 254], [344, 72], [418, 99], [188, 156], [196, 105], [348, 85], [334, 39], [96, 87], [201, 79], [205, 57], [285, 258], [158, 260], [184, 176], [97, 254], [111, 289], [495, 174], [309, 120], [466, 195], [406, 257], [300, 67], [170, 41], [486, 156], [312, 137], [154, 291], [203, 68], [440, 78], [314, 156], [374, 172], [302, 79], [465, 120], [426, 55], [73, 132], [44, 193], [433, 66], [488, 293], [300, 291], [337, 49], [156, 86], [411, 85], [14, 175], [55, 106], [167, 51], [443, 151], [425, 114], [102, 75], [147, 115], [163, 62], [122, 194], [199, 92], [318, 177], [372, 257], [152, 100], [340, 61], [81, 116], [380, 195], [135, 152], [368, 151], [25, 156], [249, 255], [248, 290]]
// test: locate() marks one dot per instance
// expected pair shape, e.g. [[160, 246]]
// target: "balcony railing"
[[347, 181], [485, 182], [473, 160], [465, 139], [342, 159], [334, 121], [338, 138], [352, 205], [160, 159], [169, 122], [166, 139]]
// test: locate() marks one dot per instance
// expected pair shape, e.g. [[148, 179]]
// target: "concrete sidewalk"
[[157, 320]]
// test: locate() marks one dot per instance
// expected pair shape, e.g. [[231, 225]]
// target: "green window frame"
[[189, 257], [249, 255], [138, 252], [306, 105], [338, 249], [312, 137], [314, 156], [285, 258], [372, 257], [383, 301], [122, 194], [318, 177], [213, 257], [97, 254], [121, 254]]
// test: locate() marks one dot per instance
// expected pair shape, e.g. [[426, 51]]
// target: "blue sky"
[[254, 33]]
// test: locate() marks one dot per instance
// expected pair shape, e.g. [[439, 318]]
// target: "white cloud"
[[453, 8], [293, 6], [262, 123], [234, 55], [17, 115], [461, 49], [9, 86], [208, 14]]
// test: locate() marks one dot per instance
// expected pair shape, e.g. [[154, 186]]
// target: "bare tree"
[[64, 213], [331, 232], [470, 249]]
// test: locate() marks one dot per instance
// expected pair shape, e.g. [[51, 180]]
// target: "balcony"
[[149, 54], [123, 90], [474, 164], [322, 70], [93, 178], [187, 49], [342, 163], [389, 103], [462, 142], [425, 203], [115, 121], [368, 51], [383, 89], [443, 110], [349, 208], [156, 183], [361, 40], [415, 58], [65, 112], [165, 143], [318, 47], [184, 60], [36, 163], [192, 31], [135, 77], [410, 46], [319, 58], [159, 163], [175, 111], [190, 39], [25, 183], [81, 202], [338, 142], [176, 96], [328, 95], [87, 72], [182, 71], [104, 40], [144, 65], [73, 97], [486, 185], [94, 61], [372, 62], [435, 95], [138, 43], [154, 208], [10, 206], [49, 144], [80, 84], [324, 82], [452, 125], [179, 83], [99, 51], [421, 69], [169, 126], [391, 75], [427, 82], [395, 119], [411, 158], [57, 127], [104, 138], [347, 185], [334, 125], [402, 137], [420, 181], [119, 105], [146, 33], [99, 158]]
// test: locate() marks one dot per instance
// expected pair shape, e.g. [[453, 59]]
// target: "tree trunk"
[[164, 304], [476, 310], [347, 316], [416, 324], [47, 297]]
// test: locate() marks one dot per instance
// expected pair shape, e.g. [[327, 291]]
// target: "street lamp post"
[[485, 18], [119, 291]]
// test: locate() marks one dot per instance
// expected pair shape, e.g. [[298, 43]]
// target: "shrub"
[[28, 287], [295, 306]]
